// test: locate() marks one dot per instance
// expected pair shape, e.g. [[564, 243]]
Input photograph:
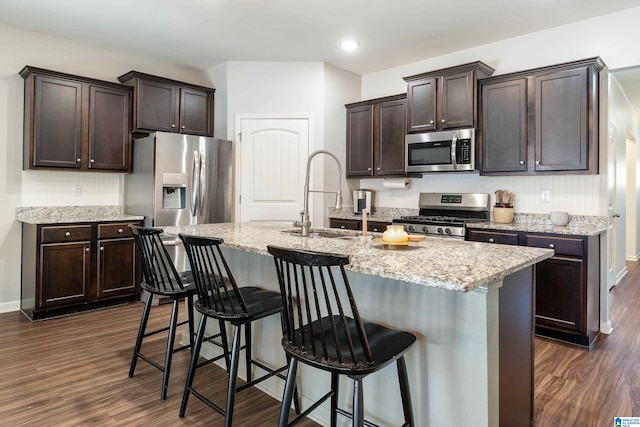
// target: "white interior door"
[[272, 163]]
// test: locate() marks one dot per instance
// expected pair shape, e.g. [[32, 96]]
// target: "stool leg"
[[225, 343], [247, 350], [233, 376], [335, 383], [405, 392], [141, 330], [192, 329], [358, 403], [169, 353], [288, 393], [192, 366]]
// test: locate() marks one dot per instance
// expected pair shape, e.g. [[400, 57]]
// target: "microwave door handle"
[[454, 143]]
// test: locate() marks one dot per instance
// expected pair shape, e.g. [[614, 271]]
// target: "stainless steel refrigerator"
[[180, 180]]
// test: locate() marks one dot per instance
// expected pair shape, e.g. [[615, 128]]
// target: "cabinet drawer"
[[561, 245], [347, 224], [69, 233], [378, 226], [114, 231], [492, 237]]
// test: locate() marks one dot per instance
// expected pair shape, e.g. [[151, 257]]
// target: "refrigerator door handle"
[[195, 183], [202, 187]]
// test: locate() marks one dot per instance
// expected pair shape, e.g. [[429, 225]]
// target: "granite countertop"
[[579, 225], [436, 262], [68, 214]]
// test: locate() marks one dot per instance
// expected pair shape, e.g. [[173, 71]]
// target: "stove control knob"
[[425, 229], [410, 227], [439, 230], [447, 230]]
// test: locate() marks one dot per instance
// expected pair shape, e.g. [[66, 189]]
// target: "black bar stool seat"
[[323, 329], [385, 345]]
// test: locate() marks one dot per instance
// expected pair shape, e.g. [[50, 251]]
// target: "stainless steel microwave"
[[445, 151]]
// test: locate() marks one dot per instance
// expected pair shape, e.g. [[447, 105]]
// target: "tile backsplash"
[[44, 188], [576, 194]]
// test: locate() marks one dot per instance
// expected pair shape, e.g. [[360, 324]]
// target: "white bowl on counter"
[[559, 218]]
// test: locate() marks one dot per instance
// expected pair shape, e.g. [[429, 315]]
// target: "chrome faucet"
[[305, 223]]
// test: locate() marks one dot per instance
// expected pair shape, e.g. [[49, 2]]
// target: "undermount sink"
[[316, 234]]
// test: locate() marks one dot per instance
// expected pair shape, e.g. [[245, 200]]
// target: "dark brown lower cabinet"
[[74, 267], [356, 224], [567, 296]]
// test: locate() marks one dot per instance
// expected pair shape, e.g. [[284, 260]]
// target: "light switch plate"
[[77, 190]]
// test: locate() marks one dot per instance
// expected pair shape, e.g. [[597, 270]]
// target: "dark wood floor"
[[72, 371]]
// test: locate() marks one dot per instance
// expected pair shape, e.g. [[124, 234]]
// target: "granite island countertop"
[[71, 214], [435, 262]]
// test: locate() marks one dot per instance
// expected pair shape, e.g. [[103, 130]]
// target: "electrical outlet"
[[77, 190], [545, 196]]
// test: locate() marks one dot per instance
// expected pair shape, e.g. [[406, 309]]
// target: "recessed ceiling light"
[[349, 44]]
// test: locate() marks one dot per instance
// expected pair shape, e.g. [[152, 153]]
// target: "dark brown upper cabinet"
[[375, 137], [444, 99], [543, 120], [166, 105], [75, 123]]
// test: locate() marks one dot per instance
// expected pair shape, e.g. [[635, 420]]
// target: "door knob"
[[615, 215]]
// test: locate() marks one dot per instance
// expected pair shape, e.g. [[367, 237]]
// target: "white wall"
[[612, 37], [289, 88], [38, 188]]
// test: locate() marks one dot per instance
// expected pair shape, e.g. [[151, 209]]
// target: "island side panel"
[[517, 349], [453, 368]]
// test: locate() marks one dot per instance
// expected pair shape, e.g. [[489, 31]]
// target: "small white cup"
[[559, 218]]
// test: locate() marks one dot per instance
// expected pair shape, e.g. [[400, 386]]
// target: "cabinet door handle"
[[342, 226], [87, 249], [92, 161], [368, 169], [173, 125], [375, 229], [431, 122], [522, 162], [67, 234], [101, 248], [537, 162], [78, 160], [491, 240], [183, 127], [119, 230], [378, 169], [551, 245], [443, 121]]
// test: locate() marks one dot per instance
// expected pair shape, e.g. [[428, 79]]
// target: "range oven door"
[[448, 151]]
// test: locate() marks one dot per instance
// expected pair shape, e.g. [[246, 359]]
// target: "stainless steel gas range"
[[446, 214]]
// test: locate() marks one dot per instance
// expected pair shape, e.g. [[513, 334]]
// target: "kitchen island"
[[469, 304]]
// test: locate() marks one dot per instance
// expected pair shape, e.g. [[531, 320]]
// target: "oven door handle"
[[454, 143]]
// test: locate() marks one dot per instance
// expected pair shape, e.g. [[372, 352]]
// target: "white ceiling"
[[204, 33]]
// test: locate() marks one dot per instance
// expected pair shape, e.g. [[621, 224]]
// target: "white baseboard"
[[606, 327], [7, 307], [621, 274]]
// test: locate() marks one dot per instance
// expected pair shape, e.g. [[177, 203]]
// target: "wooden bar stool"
[[323, 329], [219, 297], [161, 279]]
